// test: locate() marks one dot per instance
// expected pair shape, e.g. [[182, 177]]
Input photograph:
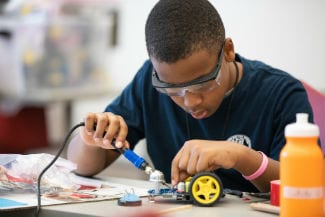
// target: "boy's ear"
[[229, 50]]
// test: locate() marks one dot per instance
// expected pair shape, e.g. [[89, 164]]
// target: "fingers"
[[195, 156], [101, 125], [117, 129], [191, 161], [183, 164], [90, 122], [102, 128], [175, 170]]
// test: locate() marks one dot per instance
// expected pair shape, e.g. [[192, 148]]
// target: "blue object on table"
[[9, 203], [129, 200]]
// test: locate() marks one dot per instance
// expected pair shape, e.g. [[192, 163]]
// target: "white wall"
[[287, 34], [130, 54]]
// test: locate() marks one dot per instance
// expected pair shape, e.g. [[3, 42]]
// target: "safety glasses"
[[202, 84]]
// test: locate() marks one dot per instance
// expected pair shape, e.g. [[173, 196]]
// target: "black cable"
[[50, 164]]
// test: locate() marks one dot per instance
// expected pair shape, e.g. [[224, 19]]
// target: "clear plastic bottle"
[[301, 171]]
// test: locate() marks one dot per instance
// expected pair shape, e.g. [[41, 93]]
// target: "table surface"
[[228, 206]]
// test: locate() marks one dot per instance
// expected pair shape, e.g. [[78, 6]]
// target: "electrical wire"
[[50, 164]]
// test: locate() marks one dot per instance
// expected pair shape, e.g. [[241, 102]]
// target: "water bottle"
[[301, 171]]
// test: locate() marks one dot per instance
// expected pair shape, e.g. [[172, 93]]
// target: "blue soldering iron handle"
[[136, 160]]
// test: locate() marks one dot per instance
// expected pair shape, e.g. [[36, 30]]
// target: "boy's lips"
[[199, 115]]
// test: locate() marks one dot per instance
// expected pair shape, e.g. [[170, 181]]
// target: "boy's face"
[[200, 80]]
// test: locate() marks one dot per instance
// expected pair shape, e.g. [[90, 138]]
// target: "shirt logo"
[[241, 139]]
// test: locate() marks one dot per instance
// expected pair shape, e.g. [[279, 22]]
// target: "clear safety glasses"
[[202, 84]]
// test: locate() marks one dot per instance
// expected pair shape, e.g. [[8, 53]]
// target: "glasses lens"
[[204, 87]]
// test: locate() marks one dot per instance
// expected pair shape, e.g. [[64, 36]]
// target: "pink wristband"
[[260, 170]]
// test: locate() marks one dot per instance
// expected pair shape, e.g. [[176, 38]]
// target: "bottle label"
[[303, 193]]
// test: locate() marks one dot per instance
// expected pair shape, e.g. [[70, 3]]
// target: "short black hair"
[[177, 28]]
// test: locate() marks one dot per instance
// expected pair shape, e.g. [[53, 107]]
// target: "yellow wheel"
[[205, 188]]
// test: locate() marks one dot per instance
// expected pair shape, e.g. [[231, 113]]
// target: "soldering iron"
[[135, 159], [155, 176], [140, 163]]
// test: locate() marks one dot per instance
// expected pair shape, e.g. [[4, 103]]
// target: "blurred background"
[[60, 59]]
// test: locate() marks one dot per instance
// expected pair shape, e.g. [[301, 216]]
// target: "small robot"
[[203, 189]]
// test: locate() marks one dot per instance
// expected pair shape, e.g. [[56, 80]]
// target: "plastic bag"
[[20, 173]]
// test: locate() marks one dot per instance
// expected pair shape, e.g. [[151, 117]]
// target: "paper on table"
[[86, 181], [108, 191]]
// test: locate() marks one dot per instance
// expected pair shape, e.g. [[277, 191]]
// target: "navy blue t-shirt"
[[255, 115]]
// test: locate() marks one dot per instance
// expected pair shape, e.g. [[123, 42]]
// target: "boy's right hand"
[[102, 128]]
